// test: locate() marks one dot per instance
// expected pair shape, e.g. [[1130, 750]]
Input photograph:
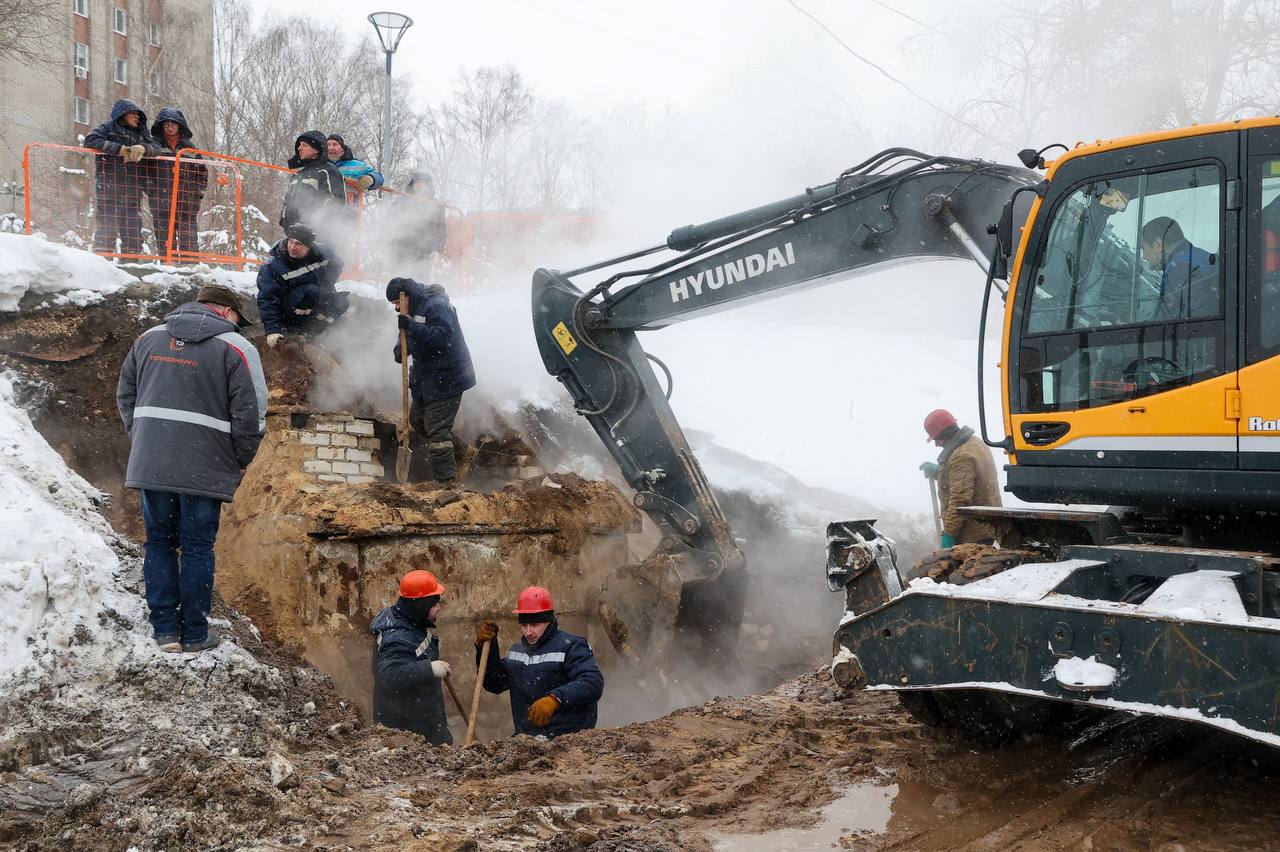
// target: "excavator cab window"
[[1127, 296]]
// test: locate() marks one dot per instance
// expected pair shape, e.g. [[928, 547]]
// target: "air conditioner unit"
[[82, 73]]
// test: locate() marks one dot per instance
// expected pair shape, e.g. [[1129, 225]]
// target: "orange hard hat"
[[533, 599], [420, 584], [938, 421]]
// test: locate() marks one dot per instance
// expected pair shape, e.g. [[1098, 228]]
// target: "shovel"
[[933, 499], [475, 697], [457, 702], [403, 454]]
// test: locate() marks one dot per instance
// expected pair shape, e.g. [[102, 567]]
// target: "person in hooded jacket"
[[315, 185], [120, 177], [552, 675], [441, 370], [296, 293], [407, 668], [171, 130], [364, 175], [194, 404]]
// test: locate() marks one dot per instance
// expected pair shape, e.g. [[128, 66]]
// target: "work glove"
[[403, 321], [929, 469], [486, 632], [132, 153], [395, 352], [274, 338], [543, 709], [365, 182], [440, 669], [946, 541]]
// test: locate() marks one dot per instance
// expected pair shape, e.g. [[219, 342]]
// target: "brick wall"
[[340, 448]]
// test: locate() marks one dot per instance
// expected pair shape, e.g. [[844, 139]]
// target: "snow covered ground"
[[71, 276]]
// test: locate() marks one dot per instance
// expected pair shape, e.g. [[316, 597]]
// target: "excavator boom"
[[899, 205]]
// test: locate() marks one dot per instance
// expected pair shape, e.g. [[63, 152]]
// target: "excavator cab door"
[[1124, 342], [1259, 399]]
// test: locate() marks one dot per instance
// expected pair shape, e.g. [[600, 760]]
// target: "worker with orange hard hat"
[[966, 476], [407, 668], [551, 673]]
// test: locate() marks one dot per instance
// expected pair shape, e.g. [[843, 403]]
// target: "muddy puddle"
[[862, 810]]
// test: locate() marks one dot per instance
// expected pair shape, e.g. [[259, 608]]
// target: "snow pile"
[[33, 265], [1076, 673], [58, 572]]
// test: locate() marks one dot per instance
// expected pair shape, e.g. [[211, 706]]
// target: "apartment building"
[[155, 52]]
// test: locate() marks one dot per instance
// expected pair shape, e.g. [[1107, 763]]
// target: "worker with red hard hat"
[[551, 673], [407, 668], [966, 476]]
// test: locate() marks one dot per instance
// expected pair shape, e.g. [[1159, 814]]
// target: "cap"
[[216, 294], [936, 422]]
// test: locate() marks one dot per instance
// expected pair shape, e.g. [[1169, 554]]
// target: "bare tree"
[[29, 27], [485, 109]]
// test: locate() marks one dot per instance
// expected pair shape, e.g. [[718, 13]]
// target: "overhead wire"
[[654, 24], [903, 84], [931, 28]]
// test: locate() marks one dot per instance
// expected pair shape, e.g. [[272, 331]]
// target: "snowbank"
[[34, 265], [57, 569]]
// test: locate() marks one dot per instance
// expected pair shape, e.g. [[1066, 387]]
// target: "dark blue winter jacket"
[[286, 285], [406, 695], [561, 664], [1189, 288], [113, 173], [441, 361]]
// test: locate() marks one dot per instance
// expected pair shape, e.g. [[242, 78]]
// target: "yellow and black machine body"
[[1140, 285]]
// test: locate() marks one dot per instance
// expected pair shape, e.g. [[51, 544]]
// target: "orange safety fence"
[[205, 207]]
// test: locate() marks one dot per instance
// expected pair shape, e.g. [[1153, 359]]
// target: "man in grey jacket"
[[194, 402]]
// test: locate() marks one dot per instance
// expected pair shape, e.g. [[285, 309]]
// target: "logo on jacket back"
[[1257, 424], [733, 272], [175, 345]]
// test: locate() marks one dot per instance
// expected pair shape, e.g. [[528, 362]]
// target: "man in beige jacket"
[[966, 475]]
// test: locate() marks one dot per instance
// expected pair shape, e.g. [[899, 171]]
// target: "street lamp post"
[[390, 27]]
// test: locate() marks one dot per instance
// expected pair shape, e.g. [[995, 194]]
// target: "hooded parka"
[[316, 185]]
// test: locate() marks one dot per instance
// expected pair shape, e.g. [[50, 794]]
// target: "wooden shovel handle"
[[457, 702], [404, 369], [475, 698]]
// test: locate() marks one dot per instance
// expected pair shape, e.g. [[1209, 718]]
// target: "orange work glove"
[[486, 632], [541, 711]]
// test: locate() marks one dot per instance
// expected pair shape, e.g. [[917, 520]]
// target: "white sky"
[[611, 52]]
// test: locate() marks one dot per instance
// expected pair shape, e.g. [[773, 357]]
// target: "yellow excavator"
[[1140, 368]]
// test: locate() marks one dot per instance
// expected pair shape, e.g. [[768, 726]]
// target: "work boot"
[[210, 641], [170, 643]]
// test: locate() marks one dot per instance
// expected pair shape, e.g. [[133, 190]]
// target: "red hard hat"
[[420, 584], [533, 599], [938, 421]]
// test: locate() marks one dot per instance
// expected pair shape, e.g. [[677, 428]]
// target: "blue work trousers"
[[178, 566]]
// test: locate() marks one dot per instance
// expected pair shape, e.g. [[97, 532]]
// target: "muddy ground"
[[251, 747]]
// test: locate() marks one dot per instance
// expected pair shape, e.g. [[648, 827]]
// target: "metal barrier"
[[205, 207]]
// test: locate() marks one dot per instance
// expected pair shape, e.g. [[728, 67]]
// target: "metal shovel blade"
[[404, 456]]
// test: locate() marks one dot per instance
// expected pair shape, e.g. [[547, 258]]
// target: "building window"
[[81, 111], [122, 71], [155, 83], [80, 7], [120, 20], [153, 34], [81, 61]]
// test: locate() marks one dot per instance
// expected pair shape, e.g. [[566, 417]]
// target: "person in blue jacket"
[[1189, 280], [441, 369], [552, 675], [120, 177], [296, 293], [352, 169], [407, 668]]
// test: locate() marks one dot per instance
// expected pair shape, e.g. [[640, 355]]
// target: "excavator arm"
[[897, 206]]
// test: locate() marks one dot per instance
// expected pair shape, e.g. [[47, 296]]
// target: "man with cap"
[[194, 403], [552, 675], [296, 292], [316, 184], [966, 475], [441, 370], [407, 668], [359, 172]]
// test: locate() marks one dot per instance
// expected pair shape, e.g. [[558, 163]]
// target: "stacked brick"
[[341, 448]]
